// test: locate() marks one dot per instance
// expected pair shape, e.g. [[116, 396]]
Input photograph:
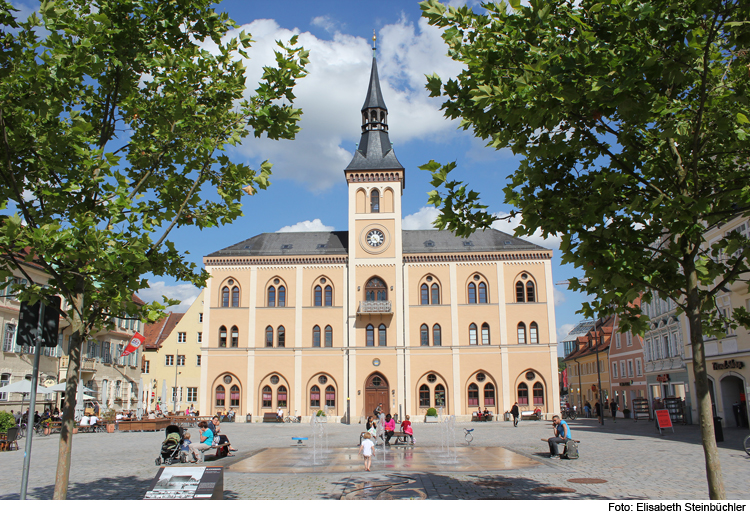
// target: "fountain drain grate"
[[587, 481], [553, 489]]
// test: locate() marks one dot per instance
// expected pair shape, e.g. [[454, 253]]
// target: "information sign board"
[[663, 420], [187, 483]]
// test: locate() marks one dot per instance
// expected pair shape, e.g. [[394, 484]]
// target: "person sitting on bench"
[[206, 439], [389, 426], [562, 435], [219, 438]]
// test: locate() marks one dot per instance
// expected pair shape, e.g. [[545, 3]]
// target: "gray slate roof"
[[374, 153], [374, 97], [335, 243]]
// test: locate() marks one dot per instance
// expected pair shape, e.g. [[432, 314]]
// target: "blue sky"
[[308, 190]]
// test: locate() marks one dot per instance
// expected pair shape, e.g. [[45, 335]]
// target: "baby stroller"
[[171, 447]]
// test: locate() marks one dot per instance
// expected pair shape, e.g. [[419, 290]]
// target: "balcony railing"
[[87, 365], [374, 307]]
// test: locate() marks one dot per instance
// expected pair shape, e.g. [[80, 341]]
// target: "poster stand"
[[641, 408], [663, 421]]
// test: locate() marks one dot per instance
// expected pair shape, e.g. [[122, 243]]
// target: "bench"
[[531, 415], [400, 436], [300, 438], [270, 417], [480, 417], [565, 448]]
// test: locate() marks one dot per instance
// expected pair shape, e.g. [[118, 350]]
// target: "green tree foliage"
[[632, 122], [6, 421], [114, 125]]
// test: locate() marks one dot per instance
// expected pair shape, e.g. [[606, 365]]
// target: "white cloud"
[[559, 296], [422, 219], [185, 292], [328, 23], [306, 225], [332, 93], [563, 331], [508, 226]]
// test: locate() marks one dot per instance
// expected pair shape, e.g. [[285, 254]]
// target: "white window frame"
[[638, 367], [198, 361], [630, 368], [614, 369], [622, 369], [200, 317], [200, 337], [192, 394], [146, 366], [169, 361], [182, 337], [629, 338], [618, 342], [180, 360]]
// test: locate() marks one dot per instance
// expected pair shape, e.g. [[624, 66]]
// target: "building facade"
[[343, 321], [584, 376], [628, 379]]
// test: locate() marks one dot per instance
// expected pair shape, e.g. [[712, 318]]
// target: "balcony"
[[374, 307], [87, 365]]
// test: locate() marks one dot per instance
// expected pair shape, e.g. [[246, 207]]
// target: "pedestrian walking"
[[514, 411], [613, 408], [366, 450]]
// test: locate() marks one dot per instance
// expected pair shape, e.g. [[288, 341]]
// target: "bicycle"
[[568, 414], [747, 444], [468, 436], [291, 419]]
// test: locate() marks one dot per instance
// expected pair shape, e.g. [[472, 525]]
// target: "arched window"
[[523, 394], [281, 396], [472, 334], [318, 296], [485, 334], [271, 296], [267, 397], [329, 336], [472, 293], [329, 296], [538, 393], [235, 297], [222, 336], [435, 294], [519, 292], [424, 335], [282, 296], [489, 395], [374, 201], [521, 334], [482, 293], [314, 396], [281, 337], [370, 331], [316, 336], [436, 338], [220, 396], [269, 336], [375, 290], [381, 335], [533, 334], [225, 296], [330, 396], [439, 395], [424, 291], [530, 294], [234, 396], [235, 337], [473, 395], [424, 396]]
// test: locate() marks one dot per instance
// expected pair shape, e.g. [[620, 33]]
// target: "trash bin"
[[718, 431], [249, 418]]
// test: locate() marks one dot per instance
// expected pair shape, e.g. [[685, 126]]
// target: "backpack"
[[571, 450]]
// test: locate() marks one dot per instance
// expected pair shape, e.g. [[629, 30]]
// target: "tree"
[[113, 130], [632, 121]]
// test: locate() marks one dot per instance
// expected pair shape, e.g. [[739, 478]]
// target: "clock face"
[[375, 238]]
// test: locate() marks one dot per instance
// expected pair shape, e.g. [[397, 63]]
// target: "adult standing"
[[96, 408], [562, 435], [206, 441], [613, 409], [515, 412], [378, 410]]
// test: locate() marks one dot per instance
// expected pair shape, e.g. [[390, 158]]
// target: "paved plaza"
[[623, 460]]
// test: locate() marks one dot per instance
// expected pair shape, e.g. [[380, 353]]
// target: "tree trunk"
[[68, 419], [705, 413]]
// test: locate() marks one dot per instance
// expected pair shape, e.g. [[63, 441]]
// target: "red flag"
[[135, 342], [565, 378]]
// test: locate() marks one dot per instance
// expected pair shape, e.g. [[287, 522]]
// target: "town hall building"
[[343, 321]]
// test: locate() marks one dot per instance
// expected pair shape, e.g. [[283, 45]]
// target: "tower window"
[[424, 335], [436, 338], [375, 201]]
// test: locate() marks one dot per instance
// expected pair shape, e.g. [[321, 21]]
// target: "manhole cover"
[[586, 481], [554, 489]]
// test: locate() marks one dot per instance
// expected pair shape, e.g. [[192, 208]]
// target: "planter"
[[626, 413], [320, 419], [75, 430], [46, 431], [431, 419], [110, 428]]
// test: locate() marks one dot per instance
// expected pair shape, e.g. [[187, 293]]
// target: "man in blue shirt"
[[562, 435]]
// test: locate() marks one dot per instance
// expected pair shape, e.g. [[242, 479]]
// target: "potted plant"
[[432, 415], [320, 416], [108, 417], [6, 421]]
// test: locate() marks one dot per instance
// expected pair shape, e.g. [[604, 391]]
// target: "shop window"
[[436, 338], [220, 396], [267, 394], [523, 394], [538, 393], [222, 337], [330, 396], [281, 395], [473, 395], [489, 395], [314, 396], [424, 396]]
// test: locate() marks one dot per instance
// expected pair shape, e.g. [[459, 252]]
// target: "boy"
[[366, 450]]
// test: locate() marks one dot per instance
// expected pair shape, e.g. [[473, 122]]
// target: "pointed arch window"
[[235, 297], [269, 336], [370, 331], [282, 296], [222, 336], [318, 296], [530, 293], [435, 291], [382, 335], [473, 395], [489, 395], [267, 397], [220, 396], [523, 394], [439, 395], [424, 396], [225, 296], [533, 334], [521, 334], [235, 337], [234, 396], [519, 292], [330, 396], [376, 290], [329, 336], [316, 336], [314, 396], [482, 293], [485, 334], [472, 293], [329, 296], [436, 338], [281, 396], [538, 393], [271, 296], [472, 334], [424, 335], [425, 294], [375, 201], [281, 337]]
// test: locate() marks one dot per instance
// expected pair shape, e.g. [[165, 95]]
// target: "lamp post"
[[174, 396], [598, 375]]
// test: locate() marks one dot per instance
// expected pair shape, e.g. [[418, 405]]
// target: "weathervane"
[[374, 38]]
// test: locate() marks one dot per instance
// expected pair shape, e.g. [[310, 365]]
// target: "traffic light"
[[29, 319]]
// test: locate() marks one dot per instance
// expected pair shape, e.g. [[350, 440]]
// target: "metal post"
[[32, 403], [348, 411], [174, 397], [599, 377]]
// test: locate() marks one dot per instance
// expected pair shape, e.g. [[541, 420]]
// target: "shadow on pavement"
[[120, 488]]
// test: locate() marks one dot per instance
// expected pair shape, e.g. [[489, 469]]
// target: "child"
[[186, 443], [406, 428], [366, 450]]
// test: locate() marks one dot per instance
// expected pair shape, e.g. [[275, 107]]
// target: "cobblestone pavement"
[[634, 460]]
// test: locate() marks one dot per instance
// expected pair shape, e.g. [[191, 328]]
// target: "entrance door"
[[732, 389], [376, 392]]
